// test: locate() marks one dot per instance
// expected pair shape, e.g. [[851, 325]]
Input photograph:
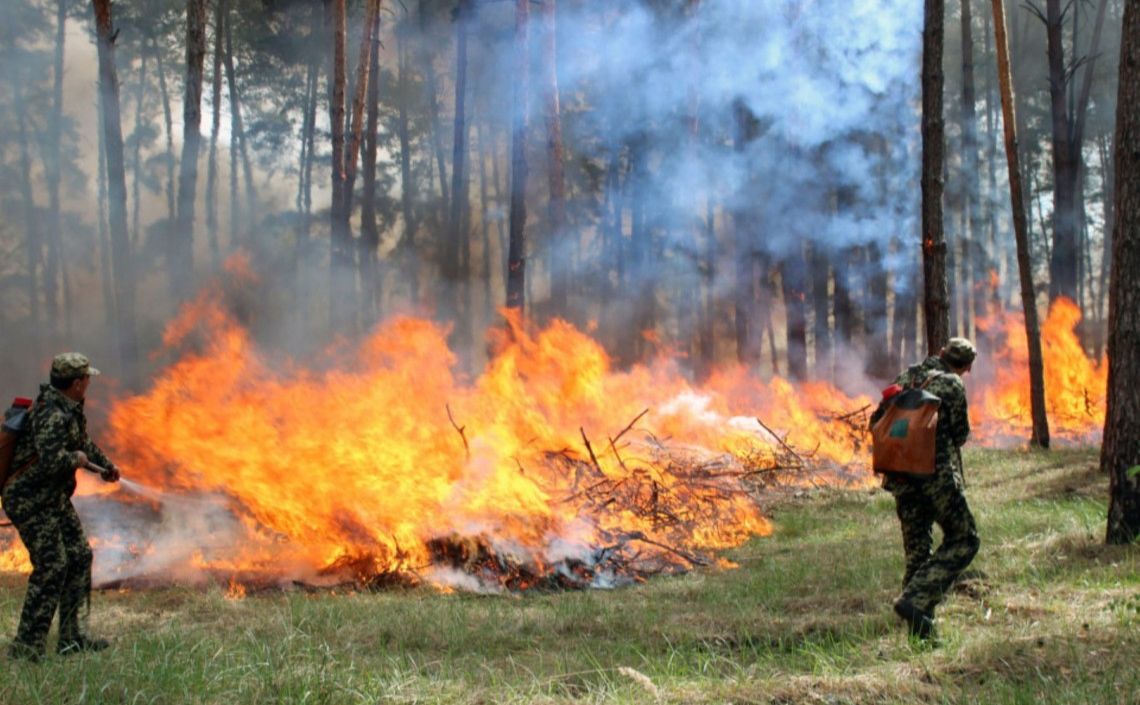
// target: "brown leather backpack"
[[902, 439]]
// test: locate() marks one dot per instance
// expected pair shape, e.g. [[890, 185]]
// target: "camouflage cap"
[[72, 365], [959, 352]]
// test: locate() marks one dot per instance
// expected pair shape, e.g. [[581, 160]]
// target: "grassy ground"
[[1052, 617]]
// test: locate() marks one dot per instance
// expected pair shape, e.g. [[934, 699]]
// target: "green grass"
[[1052, 617]]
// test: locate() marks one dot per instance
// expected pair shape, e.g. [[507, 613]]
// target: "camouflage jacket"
[[55, 429], [953, 419]]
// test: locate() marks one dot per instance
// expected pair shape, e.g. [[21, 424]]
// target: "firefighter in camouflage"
[[939, 498], [37, 498]]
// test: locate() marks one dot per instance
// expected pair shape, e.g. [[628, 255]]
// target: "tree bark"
[[793, 278], [117, 192], [560, 253], [369, 230], [54, 265], [341, 264], [455, 270], [215, 127], [136, 157], [878, 364], [1020, 227], [34, 237], [516, 258], [407, 185], [1063, 261], [106, 278], [975, 251], [180, 252], [1120, 452], [936, 290], [238, 148], [368, 42], [821, 308], [168, 122]]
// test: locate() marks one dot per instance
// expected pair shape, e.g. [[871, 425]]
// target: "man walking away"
[[37, 498], [922, 501]]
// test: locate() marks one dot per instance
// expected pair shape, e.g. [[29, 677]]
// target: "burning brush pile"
[[549, 470]]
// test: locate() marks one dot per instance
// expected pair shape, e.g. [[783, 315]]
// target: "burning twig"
[[590, 448], [693, 560], [631, 423], [457, 427], [784, 445], [615, 439], [861, 411]]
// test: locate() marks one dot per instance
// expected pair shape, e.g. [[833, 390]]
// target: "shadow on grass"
[[1084, 482]]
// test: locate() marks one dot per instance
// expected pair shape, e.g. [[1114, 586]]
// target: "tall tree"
[[1021, 233], [936, 288], [559, 251], [1120, 452], [1067, 122], [455, 264], [974, 250], [215, 127], [180, 253], [369, 229], [55, 262], [793, 278], [341, 270], [116, 191], [516, 257]]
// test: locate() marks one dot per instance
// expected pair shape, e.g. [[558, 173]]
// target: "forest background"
[[719, 181]]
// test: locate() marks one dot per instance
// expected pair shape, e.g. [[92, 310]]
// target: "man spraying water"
[[37, 498]]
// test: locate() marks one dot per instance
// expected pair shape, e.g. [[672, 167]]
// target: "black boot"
[[919, 622], [67, 647]]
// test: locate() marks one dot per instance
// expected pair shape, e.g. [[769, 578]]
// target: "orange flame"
[[1074, 384], [388, 457]]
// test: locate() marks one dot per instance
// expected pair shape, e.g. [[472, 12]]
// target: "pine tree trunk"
[[34, 238], [310, 138], [640, 287], [54, 265], [136, 157], [369, 230], [454, 270], [407, 185], [516, 258], [341, 264], [107, 275], [978, 259], [1063, 261], [936, 291], [1120, 452], [238, 148], [117, 193], [180, 253], [560, 254], [1028, 295], [215, 127], [878, 363], [821, 309], [485, 271], [793, 278], [707, 323], [168, 123]]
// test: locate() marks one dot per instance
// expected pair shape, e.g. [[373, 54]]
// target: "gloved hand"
[[110, 474]]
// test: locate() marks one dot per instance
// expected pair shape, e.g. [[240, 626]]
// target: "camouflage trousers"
[[61, 575], [920, 504]]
